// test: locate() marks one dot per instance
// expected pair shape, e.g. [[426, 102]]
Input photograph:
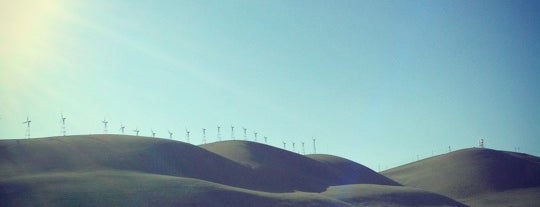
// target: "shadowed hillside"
[[466, 174], [121, 188], [116, 152], [287, 170], [116, 170], [384, 195], [349, 172]]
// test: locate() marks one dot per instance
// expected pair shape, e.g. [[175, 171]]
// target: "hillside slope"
[[349, 172], [116, 170], [117, 152], [126, 188], [292, 169], [470, 172]]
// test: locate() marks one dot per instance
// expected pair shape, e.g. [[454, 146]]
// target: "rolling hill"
[[117, 170], [474, 175], [285, 170]]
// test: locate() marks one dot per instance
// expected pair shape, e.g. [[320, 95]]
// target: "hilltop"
[[476, 175]]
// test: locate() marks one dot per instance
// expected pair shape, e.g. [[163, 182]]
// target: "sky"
[[382, 83]]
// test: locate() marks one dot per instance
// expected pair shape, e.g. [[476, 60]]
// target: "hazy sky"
[[378, 82]]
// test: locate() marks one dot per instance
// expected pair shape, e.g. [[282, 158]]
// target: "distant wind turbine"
[[122, 127], [204, 135], [187, 135], [63, 124], [314, 147], [27, 122], [219, 133], [232, 132], [105, 122]]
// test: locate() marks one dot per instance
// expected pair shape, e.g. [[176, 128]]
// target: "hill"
[[349, 172], [287, 170], [471, 174], [385, 195], [116, 170], [126, 188], [117, 152]]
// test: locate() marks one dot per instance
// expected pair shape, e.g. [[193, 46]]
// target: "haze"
[[380, 83]]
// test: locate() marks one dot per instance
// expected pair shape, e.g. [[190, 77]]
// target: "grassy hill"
[[116, 170], [285, 170], [474, 175]]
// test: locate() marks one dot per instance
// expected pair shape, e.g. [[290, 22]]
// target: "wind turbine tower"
[[105, 122], [255, 134], [232, 132], [314, 147], [285, 145], [219, 133], [153, 133], [481, 143], [265, 139], [122, 128], [303, 149], [63, 124], [187, 135], [293, 147], [27, 122], [245, 133], [136, 132], [204, 135], [170, 134]]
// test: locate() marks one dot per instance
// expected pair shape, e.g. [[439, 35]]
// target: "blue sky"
[[377, 82]]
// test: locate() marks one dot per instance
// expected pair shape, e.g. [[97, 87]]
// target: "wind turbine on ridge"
[[105, 122], [27, 122], [63, 124], [187, 135]]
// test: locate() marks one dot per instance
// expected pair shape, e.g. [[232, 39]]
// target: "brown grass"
[[470, 173], [115, 170]]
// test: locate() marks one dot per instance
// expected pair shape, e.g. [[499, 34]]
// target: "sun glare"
[[25, 24]]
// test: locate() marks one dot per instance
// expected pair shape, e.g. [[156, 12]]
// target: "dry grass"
[[473, 175], [115, 170]]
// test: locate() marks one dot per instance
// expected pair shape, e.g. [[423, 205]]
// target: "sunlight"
[[25, 23]]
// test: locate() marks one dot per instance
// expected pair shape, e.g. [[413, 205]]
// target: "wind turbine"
[[105, 122], [27, 122], [481, 143], [284, 145], [303, 149], [63, 124], [232, 132], [122, 127], [245, 133], [204, 135], [219, 133], [314, 147], [187, 135], [255, 134], [265, 138], [170, 134], [153, 133], [293, 147], [136, 132]]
